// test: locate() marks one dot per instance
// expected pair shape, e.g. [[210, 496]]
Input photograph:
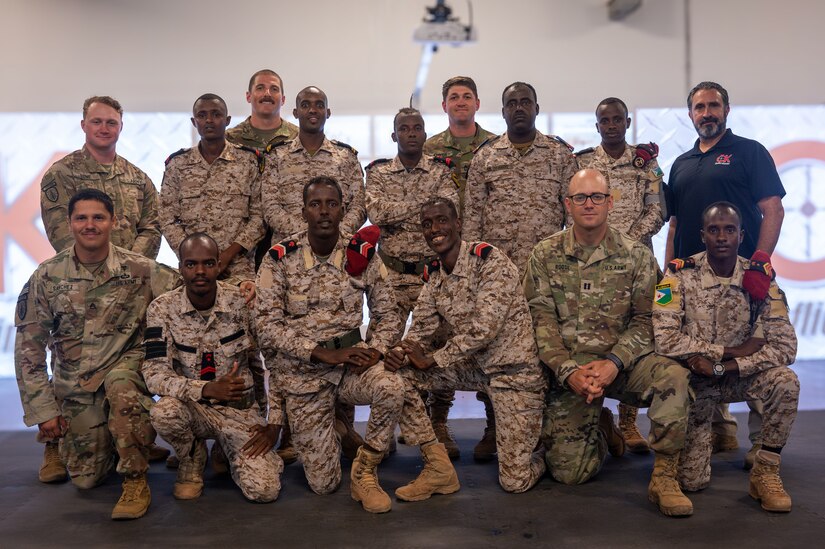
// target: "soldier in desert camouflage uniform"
[[474, 288], [590, 290], [264, 127], [635, 181], [515, 190], [309, 309], [91, 300], [737, 347], [289, 166], [198, 340]]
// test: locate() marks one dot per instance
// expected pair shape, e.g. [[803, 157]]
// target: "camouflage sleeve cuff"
[[715, 352], [36, 417], [623, 355], [563, 372], [276, 416], [443, 357], [194, 389]]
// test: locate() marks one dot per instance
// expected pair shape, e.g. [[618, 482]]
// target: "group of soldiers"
[[528, 271]]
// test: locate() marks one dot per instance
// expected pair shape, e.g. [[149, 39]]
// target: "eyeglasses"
[[596, 198]]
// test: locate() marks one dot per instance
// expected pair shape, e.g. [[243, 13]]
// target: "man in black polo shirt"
[[724, 166]]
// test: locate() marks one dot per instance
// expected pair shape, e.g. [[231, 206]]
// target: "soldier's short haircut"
[[198, 236], [441, 201], [270, 72], [322, 180], [210, 97], [611, 101], [465, 81], [722, 205], [404, 112], [92, 194], [103, 100], [708, 85], [517, 84], [297, 97]]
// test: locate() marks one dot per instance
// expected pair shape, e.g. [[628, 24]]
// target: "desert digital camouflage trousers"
[[777, 388], [518, 401], [182, 423], [312, 417], [576, 448], [117, 412]]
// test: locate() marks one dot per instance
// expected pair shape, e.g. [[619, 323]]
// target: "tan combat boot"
[[364, 485], [189, 482], [765, 484], [664, 490], [286, 450], [437, 477], [615, 442], [135, 499], [349, 437], [52, 469], [157, 452], [724, 443], [438, 416], [750, 457], [220, 464], [486, 448], [634, 440]]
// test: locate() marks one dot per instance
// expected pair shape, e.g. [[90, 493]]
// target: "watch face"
[[719, 369]]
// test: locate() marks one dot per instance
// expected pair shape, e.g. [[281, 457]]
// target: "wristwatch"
[[718, 369]]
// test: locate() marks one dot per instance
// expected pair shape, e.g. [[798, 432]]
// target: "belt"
[[403, 267], [349, 339]]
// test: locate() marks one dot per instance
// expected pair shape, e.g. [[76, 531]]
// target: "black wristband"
[[615, 360]]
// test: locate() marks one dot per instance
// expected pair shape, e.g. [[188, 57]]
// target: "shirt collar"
[[609, 246]]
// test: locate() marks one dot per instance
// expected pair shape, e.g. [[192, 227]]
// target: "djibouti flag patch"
[[663, 294]]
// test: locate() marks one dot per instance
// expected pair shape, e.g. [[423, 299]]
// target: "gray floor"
[[611, 511]]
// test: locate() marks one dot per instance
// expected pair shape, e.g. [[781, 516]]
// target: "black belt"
[[349, 339], [403, 267]]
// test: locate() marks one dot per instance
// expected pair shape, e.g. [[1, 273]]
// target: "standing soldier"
[[515, 192], [264, 127], [198, 342], [635, 182], [590, 290], [214, 188], [474, 288], [395, 191], [97, 166], [309, 308], [90, 301], [737, 348], [290, 165]]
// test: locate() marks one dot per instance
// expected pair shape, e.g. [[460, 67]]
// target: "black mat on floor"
[[610, 511]]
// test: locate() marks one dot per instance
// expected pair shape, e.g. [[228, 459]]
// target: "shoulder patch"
[[344, 146], [23, 302], [679, 264], [481, 249], [563, 142], [486, 142], [271, 146], [279, 250], [645, 152], [51, 191], [377, 161], [446, 160], [430, 268], [664, 294], [258, 156], [176, 153], [588, 150]]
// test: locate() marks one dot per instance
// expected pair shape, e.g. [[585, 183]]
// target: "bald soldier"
[[635, 181], [737, 348], [89, 304], [590, 291]]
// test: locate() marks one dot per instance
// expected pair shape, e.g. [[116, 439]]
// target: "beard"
[[715, 129]]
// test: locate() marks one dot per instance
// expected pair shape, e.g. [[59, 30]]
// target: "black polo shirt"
[[737, 170]]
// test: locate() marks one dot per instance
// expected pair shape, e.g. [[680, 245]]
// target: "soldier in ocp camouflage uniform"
[[198, 343], [590, 290], [97, 166], [264, 127], [515, 190], [635, 181], [474, 288], [737, 347], [91, 300], [309, 310]]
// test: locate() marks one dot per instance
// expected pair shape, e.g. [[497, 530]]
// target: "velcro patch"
[[153, 332], [664, 294], [155, 349], [481, 249]]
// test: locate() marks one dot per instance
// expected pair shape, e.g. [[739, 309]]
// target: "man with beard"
[[723, 166]]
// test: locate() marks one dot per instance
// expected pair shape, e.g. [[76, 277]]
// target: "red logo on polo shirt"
[[723, 159]]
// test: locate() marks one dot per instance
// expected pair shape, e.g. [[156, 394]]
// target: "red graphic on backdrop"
[[18, 222]]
